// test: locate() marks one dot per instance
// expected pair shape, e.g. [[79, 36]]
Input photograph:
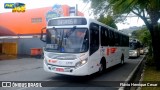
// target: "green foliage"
[[122, 6], [108, 21], [119, 7], [150, 60], [150, 74], [143, 35]]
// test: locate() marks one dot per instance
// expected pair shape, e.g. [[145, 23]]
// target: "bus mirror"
[[42, 38]]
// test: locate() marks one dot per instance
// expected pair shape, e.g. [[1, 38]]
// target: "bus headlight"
[[80, 63], [45, 61], [135, 52]]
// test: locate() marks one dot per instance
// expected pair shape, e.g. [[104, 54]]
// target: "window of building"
[[36, 20]]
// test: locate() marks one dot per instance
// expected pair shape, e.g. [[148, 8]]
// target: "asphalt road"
[[32, 70]]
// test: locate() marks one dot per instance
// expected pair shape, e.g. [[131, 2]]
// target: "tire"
[[122, 59], [102, 67]]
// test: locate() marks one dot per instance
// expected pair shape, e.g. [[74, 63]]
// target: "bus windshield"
[[67, 40], [133, 46]]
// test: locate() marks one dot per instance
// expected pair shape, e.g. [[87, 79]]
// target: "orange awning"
[[6, 32]]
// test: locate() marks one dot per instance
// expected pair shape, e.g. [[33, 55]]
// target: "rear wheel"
[[122, 59]]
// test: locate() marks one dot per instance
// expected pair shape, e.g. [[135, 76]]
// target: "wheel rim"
[[122, 61], [101, 67]]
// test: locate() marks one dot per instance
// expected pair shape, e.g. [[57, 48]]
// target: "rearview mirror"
[[42, 38]]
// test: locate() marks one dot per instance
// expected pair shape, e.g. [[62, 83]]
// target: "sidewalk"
[[16, 65]]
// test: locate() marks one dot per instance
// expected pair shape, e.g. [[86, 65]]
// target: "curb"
[[141, 79], [132, 74]]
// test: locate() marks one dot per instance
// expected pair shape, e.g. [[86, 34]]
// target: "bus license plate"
[[60, 69]]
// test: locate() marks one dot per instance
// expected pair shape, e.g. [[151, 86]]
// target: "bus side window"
[[113, 39], [104, 36], [109, 37], [127, 41], [120, 40], [123, 40], [116, 39], [94, 38]]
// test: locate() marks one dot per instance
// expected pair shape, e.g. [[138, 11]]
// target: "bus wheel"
[[102, 67], [122, 59]]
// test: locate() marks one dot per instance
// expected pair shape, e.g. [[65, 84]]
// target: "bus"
[[134, 48], [141, 49], [80, 46]]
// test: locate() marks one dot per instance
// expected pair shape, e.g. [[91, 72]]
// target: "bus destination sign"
[[67, 21]]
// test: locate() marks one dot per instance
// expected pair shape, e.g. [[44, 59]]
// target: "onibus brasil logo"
[[16, 7]]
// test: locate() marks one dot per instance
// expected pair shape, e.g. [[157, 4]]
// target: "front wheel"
[[102, 68]]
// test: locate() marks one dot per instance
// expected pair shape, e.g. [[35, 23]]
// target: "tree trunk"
[[155, 34], [152, 25]]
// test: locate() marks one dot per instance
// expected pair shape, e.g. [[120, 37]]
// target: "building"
[[19, 31]]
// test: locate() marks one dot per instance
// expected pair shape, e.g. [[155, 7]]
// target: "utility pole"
[[76, 11]]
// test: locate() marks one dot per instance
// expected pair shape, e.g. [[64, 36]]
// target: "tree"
[[108, 21], [147, 10], [143, 35]]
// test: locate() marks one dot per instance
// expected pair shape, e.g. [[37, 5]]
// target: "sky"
[[82, 7]]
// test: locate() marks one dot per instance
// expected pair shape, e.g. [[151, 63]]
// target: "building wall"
[[26, 44]]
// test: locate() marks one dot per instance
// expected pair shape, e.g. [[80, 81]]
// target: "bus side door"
[[94, 47]]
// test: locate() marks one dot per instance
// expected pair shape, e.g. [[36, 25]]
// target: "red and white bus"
[[81, 46]]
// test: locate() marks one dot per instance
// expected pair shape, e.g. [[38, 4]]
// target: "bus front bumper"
[[79, 71], [133, 54]]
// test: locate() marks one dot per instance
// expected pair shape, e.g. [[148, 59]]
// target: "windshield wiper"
[[67, 35], [70, 32]]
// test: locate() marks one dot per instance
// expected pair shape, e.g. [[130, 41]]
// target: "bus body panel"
[[113, 55], [94, 61]]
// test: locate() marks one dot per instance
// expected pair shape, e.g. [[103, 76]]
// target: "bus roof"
[[90, 20]]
